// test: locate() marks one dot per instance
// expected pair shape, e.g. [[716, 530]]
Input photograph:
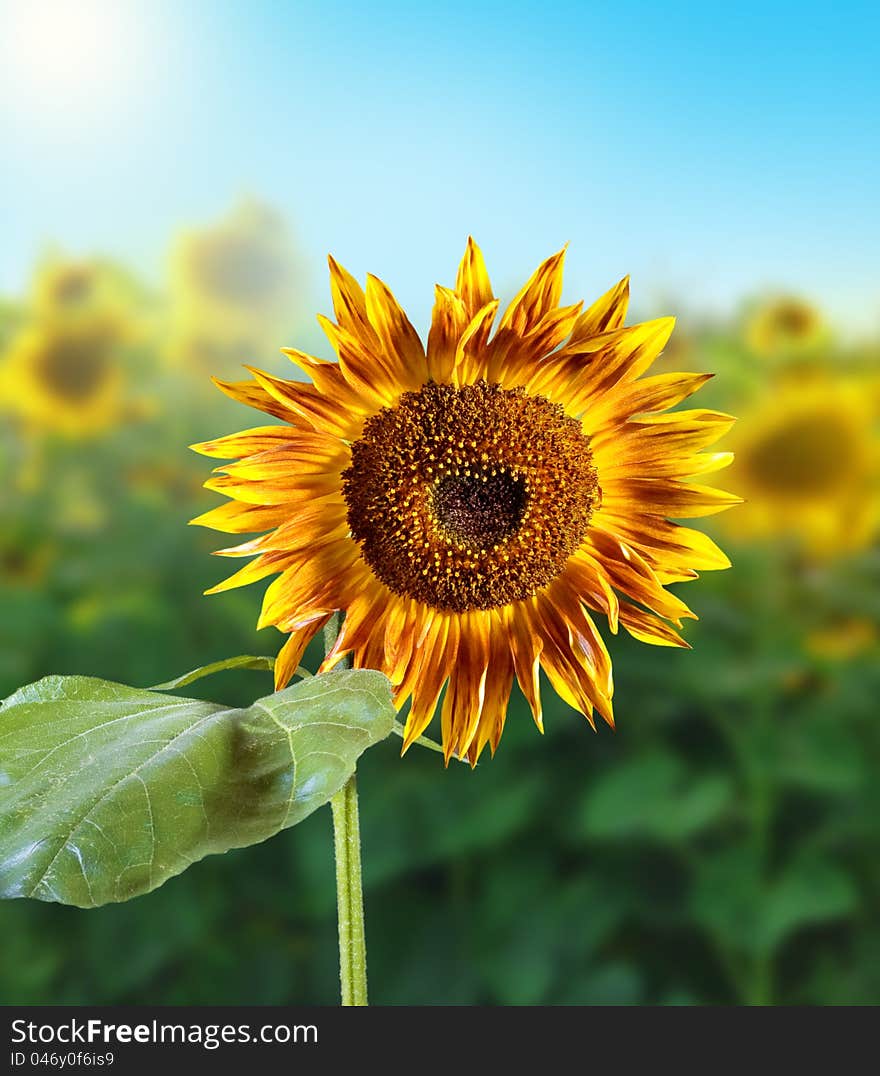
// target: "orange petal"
[[267, 564], [648, 629], [666, 497], [607, 556], [472, 282], [515, 359], [655, 393], [312, 523], [538, 296], [247, 442], [399, 340], [250, 393], [499, 681], [449, 319], [607, 313], [350, 304], [365, 367], [525, 647], [470, 671], [559, 663], [666, 544], [329, 380], [312, 582], [471, 355], [237, 518], [581, 374], [436, 656], [275, 489], [290, 655], [321, 412], [306, 453]]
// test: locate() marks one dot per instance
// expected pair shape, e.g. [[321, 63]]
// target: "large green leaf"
[[107, 791]]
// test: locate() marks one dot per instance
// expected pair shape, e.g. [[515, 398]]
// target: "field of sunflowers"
[[720, 847]]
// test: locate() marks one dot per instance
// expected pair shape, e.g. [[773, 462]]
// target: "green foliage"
[[109, 791], [721, 846], [653, 796]]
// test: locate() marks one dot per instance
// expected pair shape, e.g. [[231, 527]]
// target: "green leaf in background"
[[108, 791], [655, 797], [735, 901]]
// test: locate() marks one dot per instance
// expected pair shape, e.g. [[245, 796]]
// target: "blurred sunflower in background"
[[467, 504], [63, 370], [808, 462], [234, 287], [785, 327], [64, 379], [64, 289]]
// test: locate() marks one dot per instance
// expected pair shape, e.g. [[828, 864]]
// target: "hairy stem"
[[349, 885]]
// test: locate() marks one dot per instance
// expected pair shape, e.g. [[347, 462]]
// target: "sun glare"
[[62, 55]]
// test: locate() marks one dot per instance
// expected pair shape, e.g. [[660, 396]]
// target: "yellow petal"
[[525, 647], [321, 412], [399, 340], [350, 304], [648, 629], [472, 282], [666, 497], [607, 313], [538, 296], [290, 654], [252, 394], [237, 518], [449, 319], [246, 443]]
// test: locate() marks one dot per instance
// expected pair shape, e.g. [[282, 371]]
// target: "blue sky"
[[711, 153]]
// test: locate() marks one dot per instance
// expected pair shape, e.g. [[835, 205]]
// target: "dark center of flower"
[[482, 509], [73, 286], [808, 455], [794, 319], [470, 497], [74, 367]]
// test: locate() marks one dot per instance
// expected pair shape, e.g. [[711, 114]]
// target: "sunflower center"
[[470, 497], [73, 368], [73, 286], [482, 509], [809, 455]]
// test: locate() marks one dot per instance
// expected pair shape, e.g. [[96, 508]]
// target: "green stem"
[[349, 884], [349, 895]]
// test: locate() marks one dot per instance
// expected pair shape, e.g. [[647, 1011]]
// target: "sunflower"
[[233, 279], [468, 504], [202, 351], [66, 287], [64, 378], [785, 327], [808, 462], [68, 291]]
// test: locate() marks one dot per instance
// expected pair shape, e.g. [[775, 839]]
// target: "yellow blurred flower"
[[807, 461], [67, 379], [67, 290], [843, 640], [231, 282], [23, 562], [209, 355], [785, 326], [66, 287]]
